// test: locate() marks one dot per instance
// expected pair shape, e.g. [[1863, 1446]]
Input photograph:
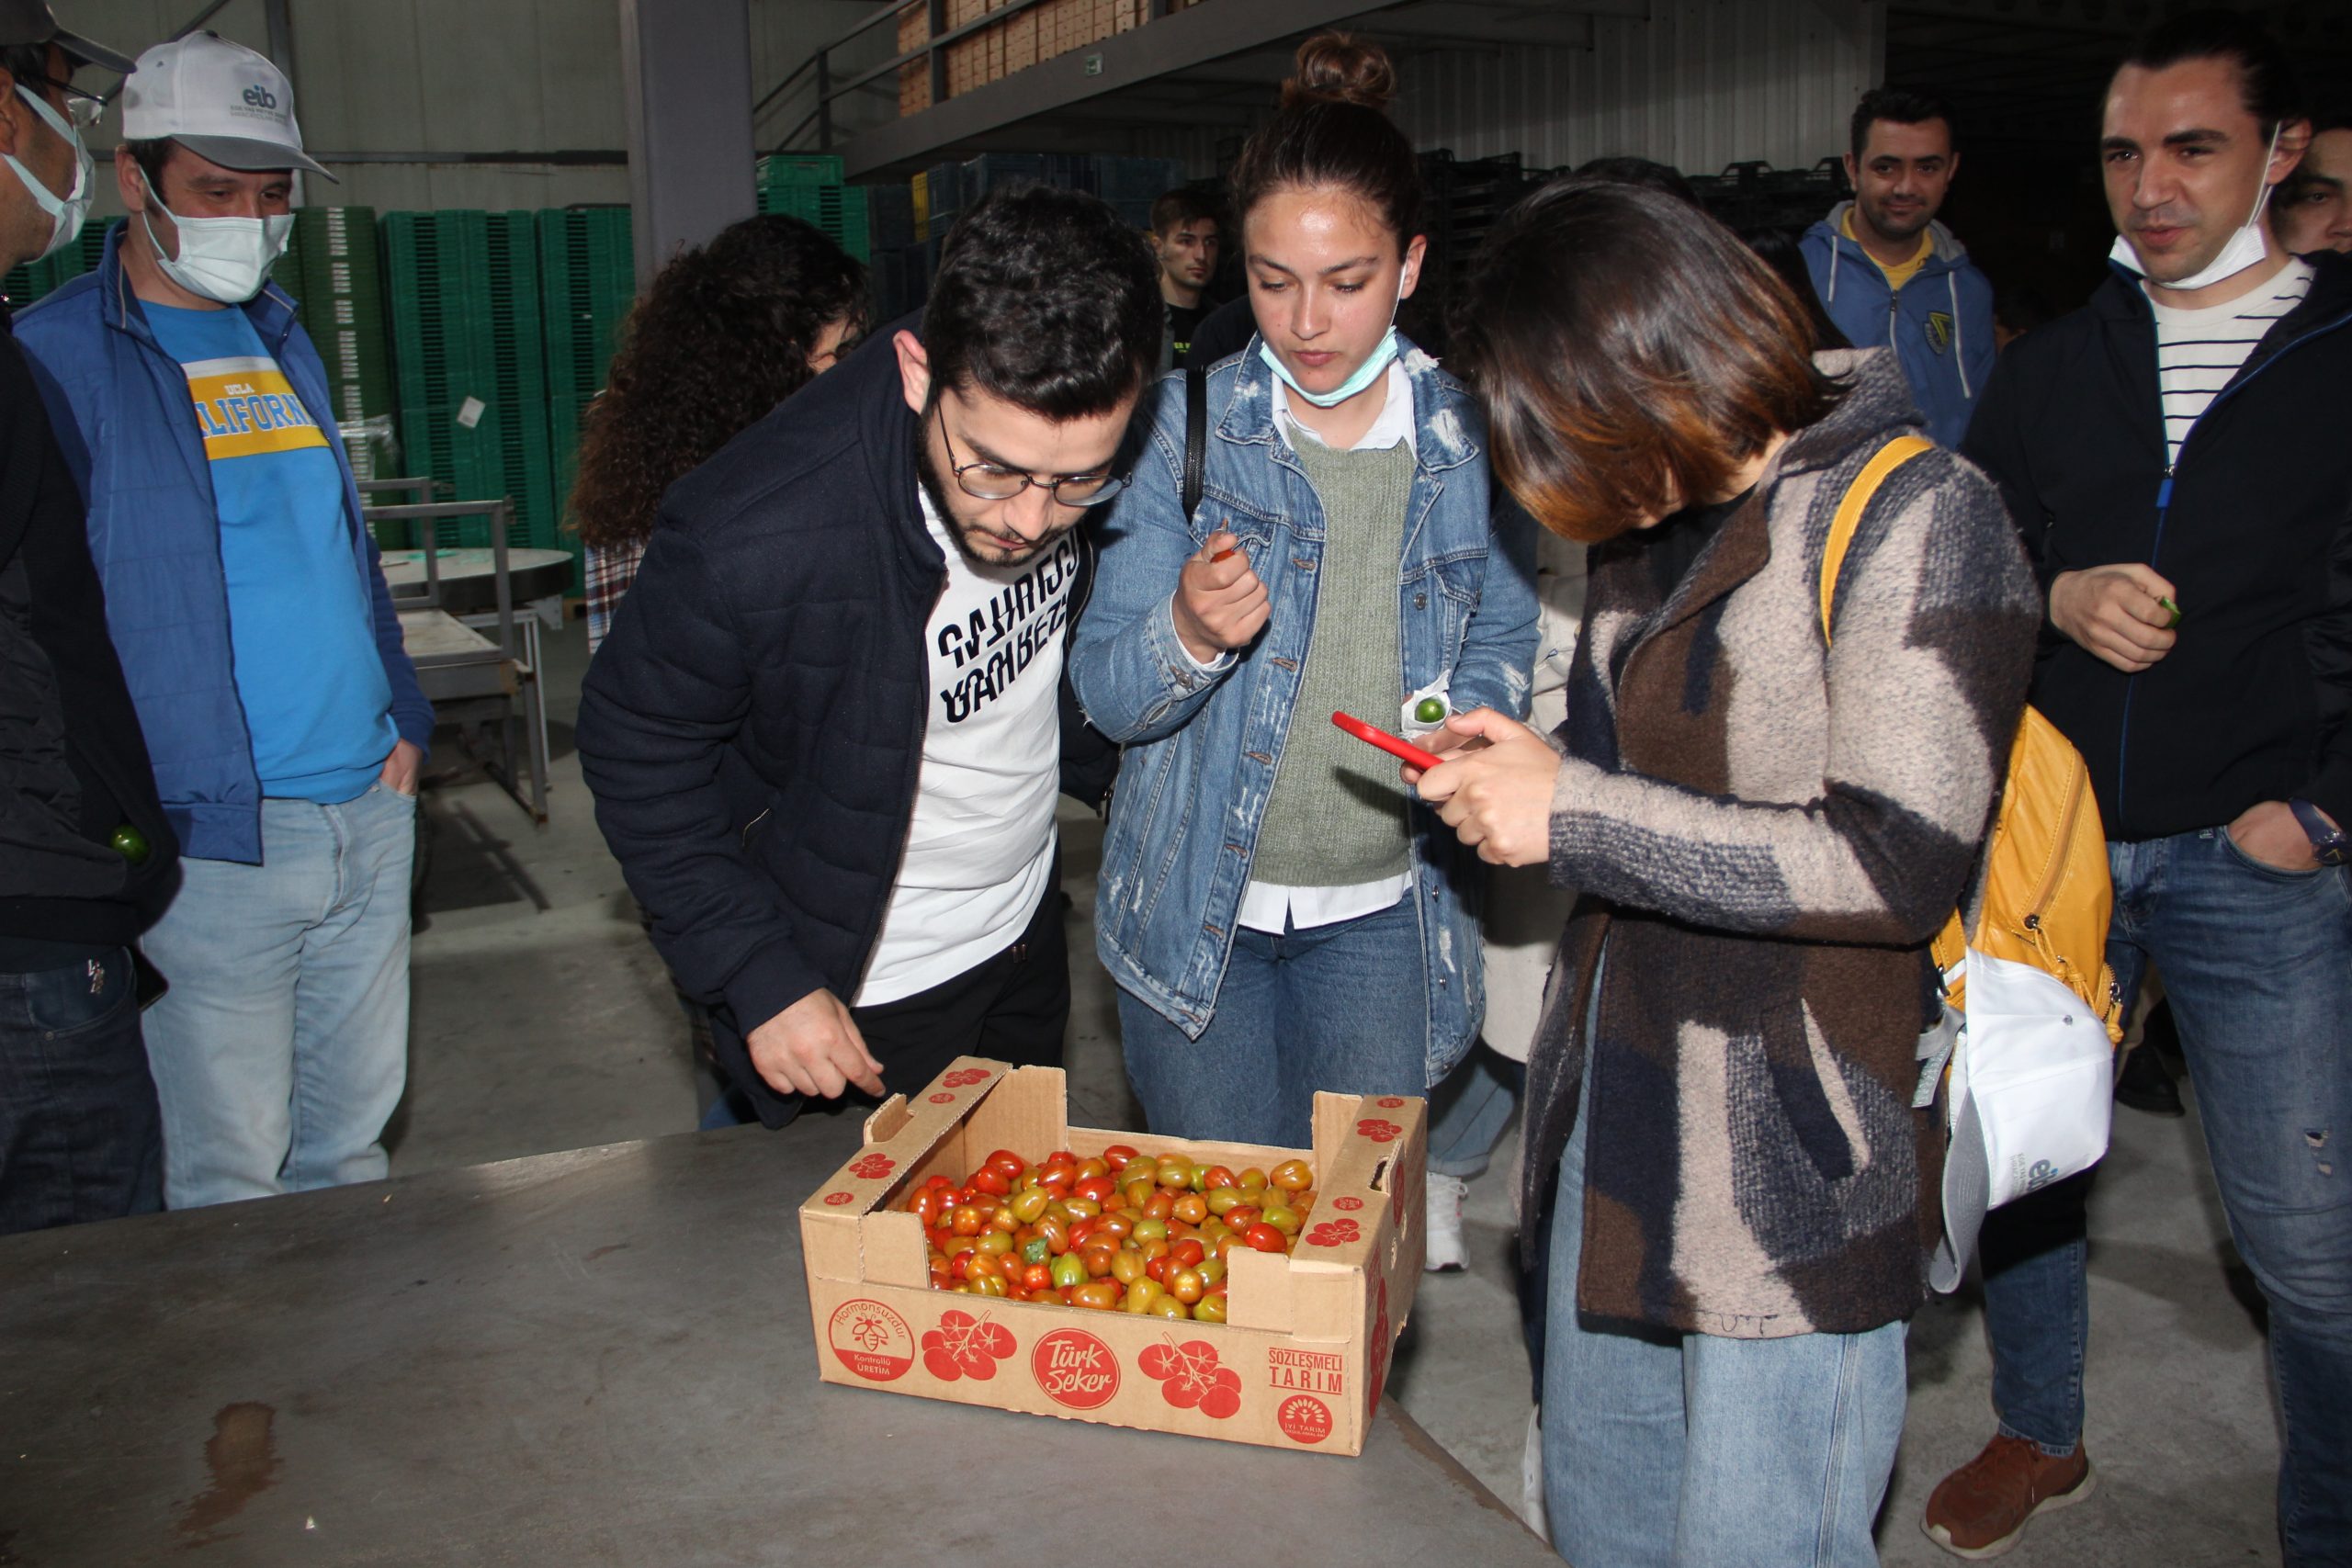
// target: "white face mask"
[[2246, 248], [223, 259], [65, 212], [1375, 364]]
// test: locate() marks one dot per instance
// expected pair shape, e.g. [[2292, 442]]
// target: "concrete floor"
[[544, 1022]]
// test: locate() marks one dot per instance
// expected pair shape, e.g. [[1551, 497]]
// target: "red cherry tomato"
[[1263, 1237]]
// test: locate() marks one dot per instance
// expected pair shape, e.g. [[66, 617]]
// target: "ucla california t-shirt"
[[318, 704]]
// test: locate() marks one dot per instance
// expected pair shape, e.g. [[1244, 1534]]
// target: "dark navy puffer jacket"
[[753, 726]]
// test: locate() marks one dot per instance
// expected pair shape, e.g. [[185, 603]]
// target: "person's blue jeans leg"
[[1469, 1111], [2035, 1252], [1342, 1007], [79, 1139], [1613, 1413], [2258, 964], [281, 1047]]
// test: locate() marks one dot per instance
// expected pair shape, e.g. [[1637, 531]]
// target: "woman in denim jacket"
[[1280, 917]]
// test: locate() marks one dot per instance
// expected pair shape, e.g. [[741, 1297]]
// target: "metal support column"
[[686, 85], [277, 16]]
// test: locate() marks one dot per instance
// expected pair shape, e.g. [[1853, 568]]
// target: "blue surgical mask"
[[65, 212], [1374, 366]]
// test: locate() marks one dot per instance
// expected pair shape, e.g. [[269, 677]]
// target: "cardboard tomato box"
[[1308, 1334]]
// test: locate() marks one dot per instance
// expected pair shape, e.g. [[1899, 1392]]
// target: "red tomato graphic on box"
[[1190, 1378], [966, 1347], [943, 1097], [874, 1168], [1378, 1130], [838, 1199], [1334, 1233], [1389, 1102], [1349, 1204], [963, 1077]]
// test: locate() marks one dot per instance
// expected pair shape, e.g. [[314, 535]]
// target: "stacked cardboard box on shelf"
[[1022, 39], [1309, 1336]]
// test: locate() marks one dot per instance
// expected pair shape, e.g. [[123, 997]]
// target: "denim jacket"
[[1203, 745]]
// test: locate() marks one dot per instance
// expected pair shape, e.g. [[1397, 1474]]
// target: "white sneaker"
[[1441, 1242], [1530, 1476]]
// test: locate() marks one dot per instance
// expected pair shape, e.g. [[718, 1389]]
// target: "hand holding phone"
[[1403, 751]]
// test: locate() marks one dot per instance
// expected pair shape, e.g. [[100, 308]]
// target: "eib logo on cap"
[[219, 100]]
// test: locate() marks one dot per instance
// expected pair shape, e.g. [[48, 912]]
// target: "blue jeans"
[[2258, 964], [1702, 1452], [78, 1135], [281, 1048], [1341, 1007], [1469, 1111]]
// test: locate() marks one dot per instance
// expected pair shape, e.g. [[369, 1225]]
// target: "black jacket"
[[2252, 526], [72, 763], [753, 726]]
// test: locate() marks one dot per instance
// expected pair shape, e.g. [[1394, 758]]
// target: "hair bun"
[[1339, 68]]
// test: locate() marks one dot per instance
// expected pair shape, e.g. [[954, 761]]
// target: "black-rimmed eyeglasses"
[[990, 481]]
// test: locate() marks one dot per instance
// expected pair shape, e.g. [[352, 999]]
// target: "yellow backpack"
[[2047, 896], [2024, 1071]]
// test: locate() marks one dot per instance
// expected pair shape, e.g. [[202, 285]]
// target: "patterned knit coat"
[[1764, 831]]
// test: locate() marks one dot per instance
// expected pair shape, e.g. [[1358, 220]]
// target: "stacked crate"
[[1748, 196], [809, 187], [1131, 184], [587, 279], [1464, 199], [471, 358], [334, 273], [23, 285]]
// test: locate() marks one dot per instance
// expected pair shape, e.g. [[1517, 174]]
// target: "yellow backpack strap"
[[1888, 458]]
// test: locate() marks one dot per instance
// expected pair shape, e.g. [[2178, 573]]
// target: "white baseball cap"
[[219, 100]]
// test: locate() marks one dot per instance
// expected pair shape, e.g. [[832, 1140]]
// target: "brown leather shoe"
[[1981, 1509]]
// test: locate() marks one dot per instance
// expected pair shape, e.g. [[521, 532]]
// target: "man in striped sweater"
[[2175, 454]]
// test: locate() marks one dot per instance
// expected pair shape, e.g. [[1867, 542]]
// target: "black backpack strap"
[[1197, 437]]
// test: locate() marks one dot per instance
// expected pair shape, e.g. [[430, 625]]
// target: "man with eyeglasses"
[[85, 857], [826, 730]]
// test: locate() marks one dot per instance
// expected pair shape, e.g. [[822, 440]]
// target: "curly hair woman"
[[726, 331]]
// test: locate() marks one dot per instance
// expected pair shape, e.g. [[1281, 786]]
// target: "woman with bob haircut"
[[1279, 916], [1763, 828]]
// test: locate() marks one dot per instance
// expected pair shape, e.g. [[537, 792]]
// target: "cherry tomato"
[[994, 1244], [1293, 1176], [1083, 1208], [1187, 1253], [1101, 1295], [1217, 1177], [988, 1284], [1115, 1225], [1161, 1205], [992, 1181], [1094, 1166], [1212, 1271], [1170, 1307], [1283, 1217], [1263, 1237], [1036, 1277], [1177, 1173], [1055, 1234], [1006, 1164], [1069, 1268], [1094, 1189], [1117, 1156], [1003, 1219], [1242, 1217], [1137, 1193], [1029, 1205], [1186, 1285], [1191, 1208], [1223, 1201], [968, 1221], [1209, 1309], [1252, 1179]]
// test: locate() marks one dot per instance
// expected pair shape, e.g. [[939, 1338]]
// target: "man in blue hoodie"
[[258, 638], [1890, 274]]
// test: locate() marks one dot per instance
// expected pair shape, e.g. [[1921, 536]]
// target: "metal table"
[[469, 576], [595, 1357]]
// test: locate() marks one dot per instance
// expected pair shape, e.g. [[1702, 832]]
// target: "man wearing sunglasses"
[[85, 857], [826, 730]]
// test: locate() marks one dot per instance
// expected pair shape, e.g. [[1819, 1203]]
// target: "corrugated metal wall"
[[1699, 84]]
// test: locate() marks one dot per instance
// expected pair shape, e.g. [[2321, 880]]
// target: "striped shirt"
[[2198, 351]]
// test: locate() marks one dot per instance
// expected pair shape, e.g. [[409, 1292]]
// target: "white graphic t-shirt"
[[981, 844]]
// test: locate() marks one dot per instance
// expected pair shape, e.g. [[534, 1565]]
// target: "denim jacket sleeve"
[[1131, 674], [1498, 649]]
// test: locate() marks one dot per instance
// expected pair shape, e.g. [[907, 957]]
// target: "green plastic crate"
[[469, 356], [588, 279], [839, 210], [797, 169]]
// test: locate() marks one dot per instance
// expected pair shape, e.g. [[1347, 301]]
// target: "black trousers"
[[1013, 1007]]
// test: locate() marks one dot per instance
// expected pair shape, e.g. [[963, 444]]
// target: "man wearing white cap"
[[257, 636]]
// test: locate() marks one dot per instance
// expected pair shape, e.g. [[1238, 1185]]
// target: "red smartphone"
[[1404, 750]]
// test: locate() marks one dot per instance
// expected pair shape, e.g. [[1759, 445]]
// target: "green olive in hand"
[[1428, 710], [130, 844]]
